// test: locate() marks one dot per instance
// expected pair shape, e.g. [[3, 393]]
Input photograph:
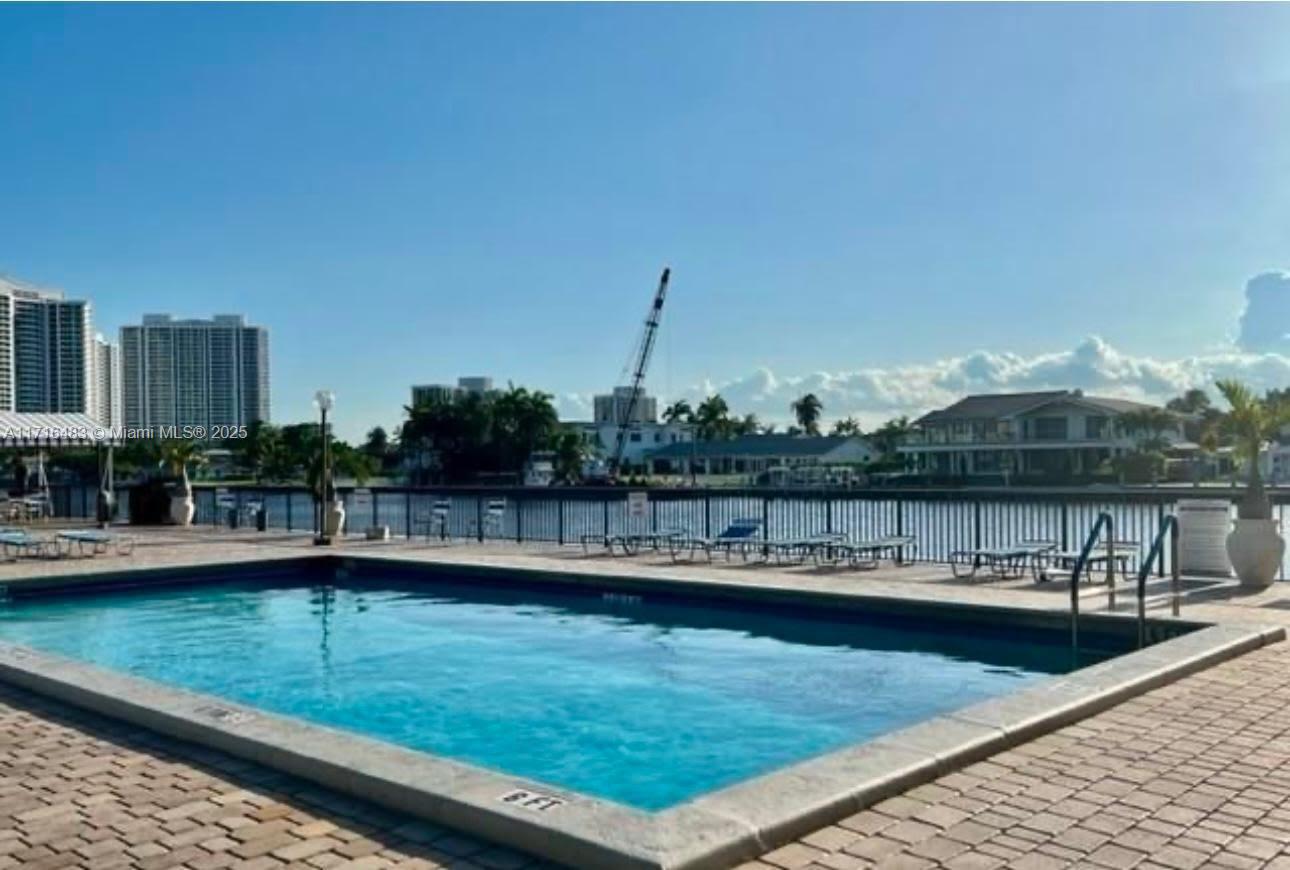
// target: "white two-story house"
[[1056, 434]]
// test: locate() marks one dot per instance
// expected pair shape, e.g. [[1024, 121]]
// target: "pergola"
[[45, 432]]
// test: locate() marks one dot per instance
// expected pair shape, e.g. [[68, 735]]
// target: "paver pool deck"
[[1192, 774]]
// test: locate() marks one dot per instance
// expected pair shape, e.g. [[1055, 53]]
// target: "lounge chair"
[[740, 536], [96, 542], [632, 543], [1005, 563], [795, 551], [900, 549], [1054, 561], [17, 542]]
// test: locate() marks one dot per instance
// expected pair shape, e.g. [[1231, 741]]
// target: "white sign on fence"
[[360, 500], [224, 498], [637, 504], [1203, 525]]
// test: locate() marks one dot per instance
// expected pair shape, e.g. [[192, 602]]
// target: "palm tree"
[[888, 437], [1194, 401], [746, 425], [177, 455], [679, 411], [377, 445], [1252, 422], [712, 418], [261, 442], [1150, 425], [807, 410], [570, 455], [847, 426]]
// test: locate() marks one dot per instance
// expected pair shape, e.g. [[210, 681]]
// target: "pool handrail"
[[1103, 519], [1168, 523]]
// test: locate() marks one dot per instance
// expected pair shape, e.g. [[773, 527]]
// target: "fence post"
[[828, 514], [765, 518], [290, 499], [707, 515], [1065, 533], [604, 524], [479, 517], [376, 514], [1160, 519], [559, 523], [519, 521], [976, 525], [407, 515], [900, 517]]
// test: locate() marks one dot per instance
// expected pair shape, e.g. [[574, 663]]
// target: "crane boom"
[[638, 376]]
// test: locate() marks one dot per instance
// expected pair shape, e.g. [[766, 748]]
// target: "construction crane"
[[643, 351]]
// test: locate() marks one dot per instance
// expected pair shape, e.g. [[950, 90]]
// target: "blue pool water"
[[647, 703]]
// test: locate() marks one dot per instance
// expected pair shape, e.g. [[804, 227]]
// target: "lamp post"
[[324, 399]]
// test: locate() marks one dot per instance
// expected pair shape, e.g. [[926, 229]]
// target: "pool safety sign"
[[1203, 524], [637, 505]]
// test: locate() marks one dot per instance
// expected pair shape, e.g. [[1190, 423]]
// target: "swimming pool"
[[646, 701]]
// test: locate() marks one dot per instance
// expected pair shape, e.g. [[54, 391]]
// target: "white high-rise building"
[[107, 382], [46, 351], [613, 407], [205, 373]]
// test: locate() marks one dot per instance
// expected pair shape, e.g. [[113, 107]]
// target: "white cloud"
[[1265, 322], [876, 394], [1261, 358], [573, 406]]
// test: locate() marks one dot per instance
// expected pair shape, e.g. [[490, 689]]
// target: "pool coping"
[[716, 829]]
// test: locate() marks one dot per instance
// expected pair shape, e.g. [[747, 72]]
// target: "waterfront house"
[[781, 458], [1054, 435], [643, 438]]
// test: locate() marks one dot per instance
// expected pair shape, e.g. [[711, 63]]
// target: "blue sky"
[[885, 203]]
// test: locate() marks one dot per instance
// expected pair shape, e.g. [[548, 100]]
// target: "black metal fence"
[[941, 520]]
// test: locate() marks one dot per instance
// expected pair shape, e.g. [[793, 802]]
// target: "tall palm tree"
[[1251, 423], [712, 418], [679, 411], [807, 410]]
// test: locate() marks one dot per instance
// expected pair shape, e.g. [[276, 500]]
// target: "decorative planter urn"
[[335, 518], [182, 508], [1255, 549]]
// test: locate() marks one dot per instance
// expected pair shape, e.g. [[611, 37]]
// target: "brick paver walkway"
[[77, 790], [1195, 774]]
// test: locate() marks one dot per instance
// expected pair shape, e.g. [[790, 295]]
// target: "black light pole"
[[324, 399]]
